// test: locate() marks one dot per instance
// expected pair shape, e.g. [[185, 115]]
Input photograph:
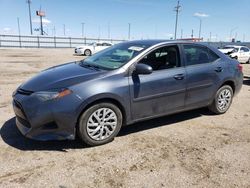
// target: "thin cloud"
[[201, 15], [6, 29]]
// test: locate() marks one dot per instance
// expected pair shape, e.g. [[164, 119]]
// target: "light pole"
[[109, 35], [64, 29], [83, 24], [231, 32], [177, 10], [18, 26], [129, 30], [200, 28], [31, 30]]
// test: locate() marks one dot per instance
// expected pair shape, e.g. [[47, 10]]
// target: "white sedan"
[[240, 53], [90, 49]]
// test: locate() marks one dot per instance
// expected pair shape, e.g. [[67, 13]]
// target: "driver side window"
[[163, 58]]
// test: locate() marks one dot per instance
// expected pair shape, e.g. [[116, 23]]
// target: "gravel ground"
[[191, 149]]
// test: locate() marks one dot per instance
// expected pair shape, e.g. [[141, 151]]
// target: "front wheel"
[[248, 62], [99, 124], [223, 100], [87, 52]]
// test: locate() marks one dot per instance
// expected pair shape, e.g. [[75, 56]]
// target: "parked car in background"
[[90, 49], [126, 83], [240, 53], [227, 49]]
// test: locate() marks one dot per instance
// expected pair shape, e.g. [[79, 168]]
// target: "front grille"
[[24, 122], [24, 92], [50, 126]]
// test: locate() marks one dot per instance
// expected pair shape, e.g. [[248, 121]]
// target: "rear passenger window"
[[199, 55]]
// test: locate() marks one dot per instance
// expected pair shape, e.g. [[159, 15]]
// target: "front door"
[[163, 91]]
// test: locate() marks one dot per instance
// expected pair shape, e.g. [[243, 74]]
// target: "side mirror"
[[143, 69]]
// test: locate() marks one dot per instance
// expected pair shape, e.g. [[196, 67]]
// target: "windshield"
[[236, 49], [115, 56]]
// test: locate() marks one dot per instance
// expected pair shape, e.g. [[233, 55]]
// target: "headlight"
[[50, 95]]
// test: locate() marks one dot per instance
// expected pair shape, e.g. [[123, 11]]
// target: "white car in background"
[[227, 49], [240, 53], [90, 49]]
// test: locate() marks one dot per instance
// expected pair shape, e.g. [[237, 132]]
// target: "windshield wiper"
[[87, 65]]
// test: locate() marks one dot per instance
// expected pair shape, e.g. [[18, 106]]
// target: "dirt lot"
[[192, 149]]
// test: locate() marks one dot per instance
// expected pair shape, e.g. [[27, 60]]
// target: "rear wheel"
[[87, 52], [223, 100], [248, 62], [100, 124]]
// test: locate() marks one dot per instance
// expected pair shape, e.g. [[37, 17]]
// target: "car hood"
[[226, 50], [84, 46], [61, 76]]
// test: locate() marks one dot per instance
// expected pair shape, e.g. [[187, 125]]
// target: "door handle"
[[218, 69], [179, 77]]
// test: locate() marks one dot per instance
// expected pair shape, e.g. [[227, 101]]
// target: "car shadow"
[[246, 80], [11, 135]]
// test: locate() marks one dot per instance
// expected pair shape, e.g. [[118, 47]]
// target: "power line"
[[177, 10]]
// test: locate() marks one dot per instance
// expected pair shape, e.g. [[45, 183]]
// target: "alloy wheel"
[[101, 124]]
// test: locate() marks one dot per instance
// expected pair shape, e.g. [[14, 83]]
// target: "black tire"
[[87, 52], [248, 62], [214, 107], [83, 124]]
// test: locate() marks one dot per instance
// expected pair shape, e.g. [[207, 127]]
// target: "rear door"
[[246, 54], [203, 72], [163, 91]]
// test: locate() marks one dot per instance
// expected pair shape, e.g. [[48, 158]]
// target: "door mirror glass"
[[143, 69]]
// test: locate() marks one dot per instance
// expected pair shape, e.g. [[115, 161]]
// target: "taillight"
[[240, 67]]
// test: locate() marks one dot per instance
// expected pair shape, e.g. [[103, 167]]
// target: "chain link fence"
[[22, 41], [25, 41]]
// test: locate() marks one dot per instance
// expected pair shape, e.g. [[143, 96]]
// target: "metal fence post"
[[70, 42], [55, 41], [20, 42], [38, 42]]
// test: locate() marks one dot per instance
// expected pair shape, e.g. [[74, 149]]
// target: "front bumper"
[[46, 120], [79, 51]]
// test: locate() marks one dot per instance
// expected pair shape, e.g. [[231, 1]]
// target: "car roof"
[[233, 46], [151, 42]]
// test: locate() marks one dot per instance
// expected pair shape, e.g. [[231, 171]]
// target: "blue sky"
[[148, 18]]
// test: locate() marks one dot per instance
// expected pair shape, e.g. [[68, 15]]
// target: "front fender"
[[102, 97]]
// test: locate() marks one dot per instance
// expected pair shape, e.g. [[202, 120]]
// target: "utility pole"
[[192, 35], [18, 25], [231, 32], [83, 24], [177, 10], [31, 30], [200, 28], [129, 30], [109, 35]]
